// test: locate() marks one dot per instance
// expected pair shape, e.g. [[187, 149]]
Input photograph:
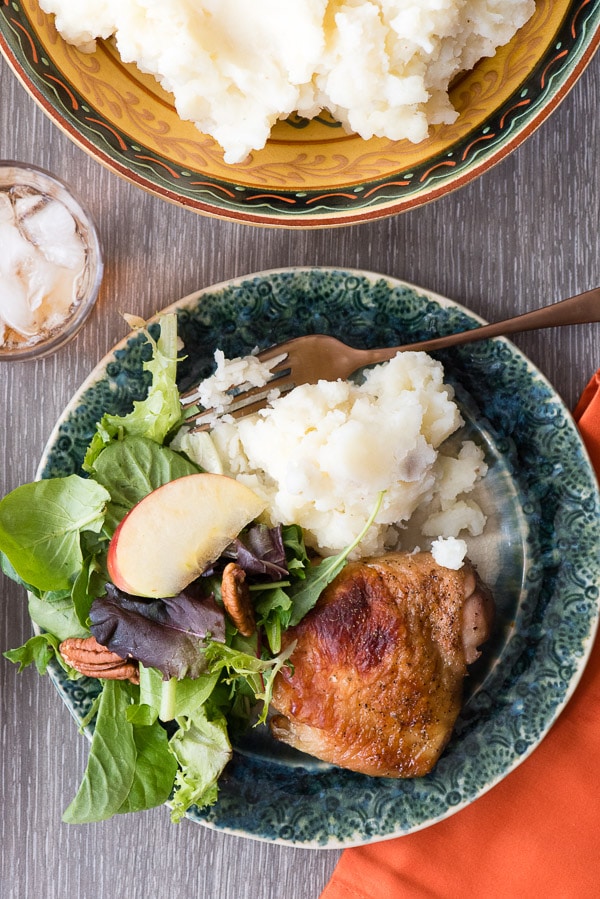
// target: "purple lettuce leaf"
[[168, 634], [259, 550]]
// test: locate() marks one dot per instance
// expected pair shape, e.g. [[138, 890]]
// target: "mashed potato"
[[321, 455], [381, 67]]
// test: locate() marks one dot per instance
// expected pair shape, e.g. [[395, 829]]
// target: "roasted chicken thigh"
[[379, 664]]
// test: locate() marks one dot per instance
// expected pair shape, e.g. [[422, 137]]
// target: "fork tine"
[[272, 351], [280, 368], [186, 396], [250, 401], [189, 397], [186, 399]]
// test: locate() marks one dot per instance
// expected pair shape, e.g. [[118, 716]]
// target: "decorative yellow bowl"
[[310, 174]]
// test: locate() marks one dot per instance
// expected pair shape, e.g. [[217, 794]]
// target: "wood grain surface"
[[524, 234]]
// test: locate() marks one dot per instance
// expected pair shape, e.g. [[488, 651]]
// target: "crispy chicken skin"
[[379, 665]]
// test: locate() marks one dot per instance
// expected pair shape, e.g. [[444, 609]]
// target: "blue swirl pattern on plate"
[[549, 603]]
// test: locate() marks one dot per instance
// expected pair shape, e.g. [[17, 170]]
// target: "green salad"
[[165, 735]]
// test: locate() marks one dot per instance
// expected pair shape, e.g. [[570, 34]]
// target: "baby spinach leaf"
[[41, 524], [54, 612], [132, 468], [155, 770], [129, 768]]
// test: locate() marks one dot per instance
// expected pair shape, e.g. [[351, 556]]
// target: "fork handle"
[[581, 309]]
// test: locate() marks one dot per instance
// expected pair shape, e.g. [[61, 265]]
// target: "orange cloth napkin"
[[535, 834]]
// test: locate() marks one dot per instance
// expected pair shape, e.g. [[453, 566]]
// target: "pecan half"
[[89, 657], [236, 598]]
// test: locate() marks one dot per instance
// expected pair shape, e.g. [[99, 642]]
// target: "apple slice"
[[167, 539]]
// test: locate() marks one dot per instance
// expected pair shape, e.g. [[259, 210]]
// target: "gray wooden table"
[[525, 233]]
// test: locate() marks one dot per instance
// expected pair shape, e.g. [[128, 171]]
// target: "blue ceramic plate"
[[540, 552]]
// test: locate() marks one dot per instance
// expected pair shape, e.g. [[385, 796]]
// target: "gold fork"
[[306, 360]]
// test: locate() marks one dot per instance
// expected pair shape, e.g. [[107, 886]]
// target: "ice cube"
[[42, 258], [41, 278], [57, 305], [14, 306], [28, 203], [7, 214], [52, 228], [15, 249]]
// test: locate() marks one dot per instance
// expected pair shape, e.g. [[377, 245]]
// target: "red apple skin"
[[171, 535], [114, 574]]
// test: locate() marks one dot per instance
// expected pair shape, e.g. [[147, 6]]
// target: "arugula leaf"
[[306, 594], [132, 468], [168, 634], [41, 524], [157, 415], [202, 748], [38, 650], [130, 768]]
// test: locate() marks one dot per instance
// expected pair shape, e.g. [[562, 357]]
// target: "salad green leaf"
[[260, 550], [202, 749], [132, 468], [9, 571], [168, 634], [201, 682], [174, 698], [129, 768], [295, 550], [305, 595], [160, 412], [88, 584], [40, 526], [55, 613], [39, 651], [258, 673], [274, 610]]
